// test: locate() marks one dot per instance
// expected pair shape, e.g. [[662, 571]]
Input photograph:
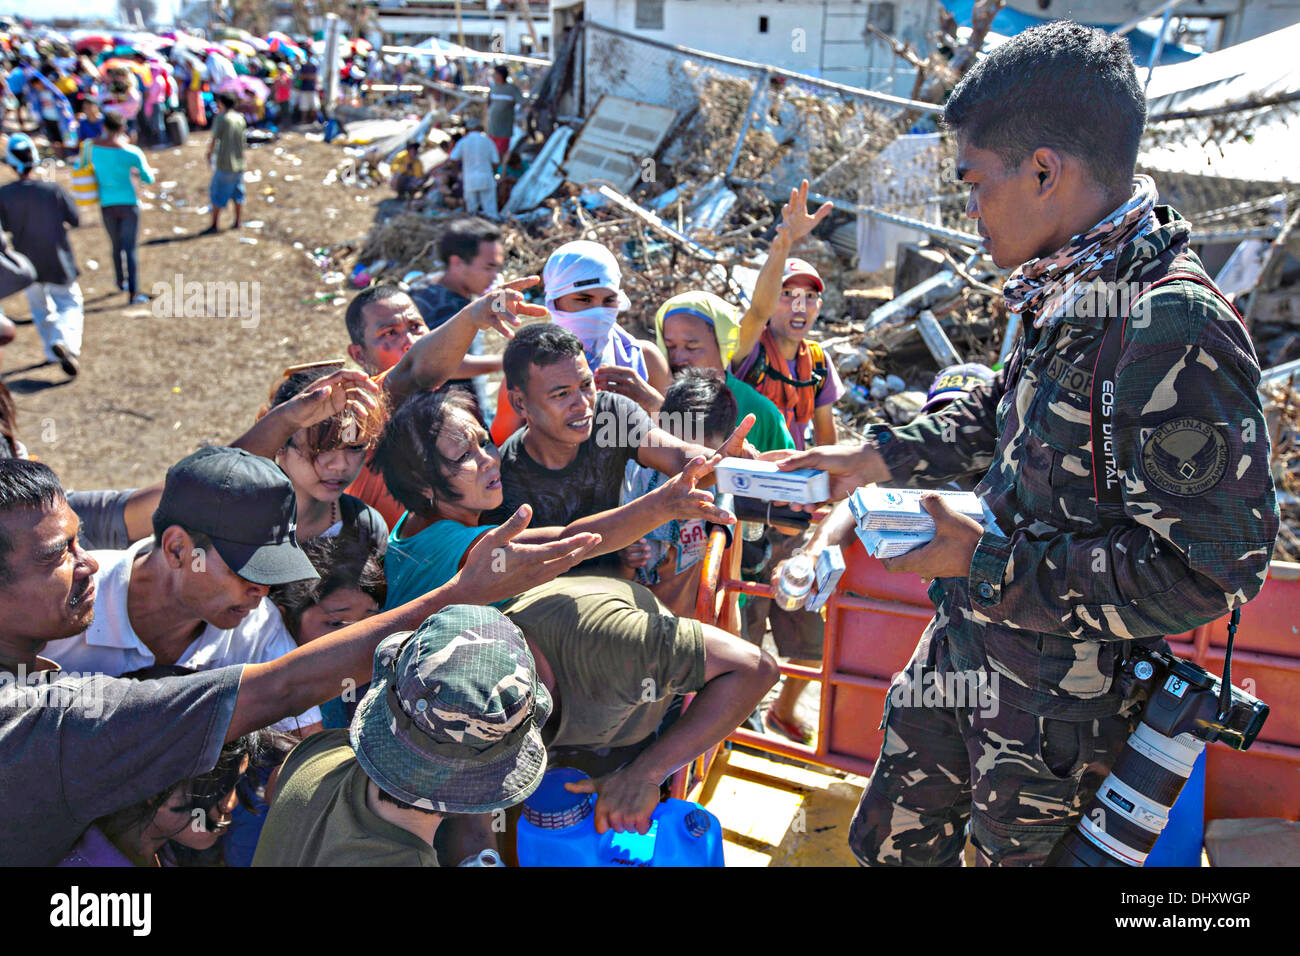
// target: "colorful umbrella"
[[239, 46], [245, 86], [93, 43], [138, 68], [361, 46], [279, 43]]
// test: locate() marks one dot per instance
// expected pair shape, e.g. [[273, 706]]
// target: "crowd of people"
[[360, 499], [366, 627]]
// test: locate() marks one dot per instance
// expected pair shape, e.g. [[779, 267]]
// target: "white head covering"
[[580, 265], [576, 267]]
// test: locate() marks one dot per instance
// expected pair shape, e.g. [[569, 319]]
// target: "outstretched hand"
[[497, 567], [848, 466], [736, 446], [795, 220], [347, 390], [503, 307], [682, 499]]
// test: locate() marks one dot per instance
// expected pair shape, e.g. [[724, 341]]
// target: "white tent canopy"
[[1263, 68]]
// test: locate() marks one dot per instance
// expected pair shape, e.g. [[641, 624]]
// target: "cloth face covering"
[[585, 265], [1045, 284], [592, 326]]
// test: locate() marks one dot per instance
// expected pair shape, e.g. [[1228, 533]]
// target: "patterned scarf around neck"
[[1041, 285]]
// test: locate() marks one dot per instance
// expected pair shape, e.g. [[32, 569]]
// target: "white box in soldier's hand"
[[890, 544], [900, 509], [762, 479], [829, 569]]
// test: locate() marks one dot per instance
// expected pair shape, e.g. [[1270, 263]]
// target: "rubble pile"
[[1282, 413]]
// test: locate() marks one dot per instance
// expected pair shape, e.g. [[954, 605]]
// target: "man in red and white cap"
[[773, 354]]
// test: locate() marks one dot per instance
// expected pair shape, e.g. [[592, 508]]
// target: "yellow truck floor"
[[780, 814]]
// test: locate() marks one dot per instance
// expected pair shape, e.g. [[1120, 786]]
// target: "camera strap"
[[1105, 467]]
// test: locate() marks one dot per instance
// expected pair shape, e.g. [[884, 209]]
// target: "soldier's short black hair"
[[1067, 87], [542, 343], [463, 238], [24, 486]]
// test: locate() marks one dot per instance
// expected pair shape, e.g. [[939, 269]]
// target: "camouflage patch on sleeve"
[[1186, 457]]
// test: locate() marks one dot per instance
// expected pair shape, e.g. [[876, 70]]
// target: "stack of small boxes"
[[892, 521]]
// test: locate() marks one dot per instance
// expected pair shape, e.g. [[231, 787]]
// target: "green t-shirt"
[[319, 816], [770, 431], [618, 655], [228, 133], [427, 559]]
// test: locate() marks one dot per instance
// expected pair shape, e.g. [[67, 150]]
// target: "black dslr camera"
[[1187, 708]]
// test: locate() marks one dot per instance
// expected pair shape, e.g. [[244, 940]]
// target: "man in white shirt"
[[195, 595], [478, 156]]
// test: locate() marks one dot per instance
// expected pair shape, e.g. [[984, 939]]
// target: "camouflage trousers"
[[1019, 780]]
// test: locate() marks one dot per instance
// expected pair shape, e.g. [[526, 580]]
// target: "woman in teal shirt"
[[113, 158], [440, 463]]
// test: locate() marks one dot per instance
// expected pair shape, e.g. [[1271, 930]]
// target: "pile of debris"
[[1282, 413]]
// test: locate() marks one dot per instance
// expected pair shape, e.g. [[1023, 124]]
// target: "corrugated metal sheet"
[[618, 138]]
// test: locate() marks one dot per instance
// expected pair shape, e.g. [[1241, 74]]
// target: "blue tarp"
[[1009, 22]]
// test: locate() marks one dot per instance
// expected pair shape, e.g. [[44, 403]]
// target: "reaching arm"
[[345, 390], [316, 672], [472, 365], [767, 291], [436, 358], [668, 454], [677, 498], [1182, 553], [795, 224], [736, 676], [140, 507]]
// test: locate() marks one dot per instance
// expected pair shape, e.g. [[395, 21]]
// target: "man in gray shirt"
[[75, 747], [502, 97]]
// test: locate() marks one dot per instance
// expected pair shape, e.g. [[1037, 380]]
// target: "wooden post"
[[460, 26], [526, 9]]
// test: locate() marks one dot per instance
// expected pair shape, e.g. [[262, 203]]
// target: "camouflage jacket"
[[1054, 592]]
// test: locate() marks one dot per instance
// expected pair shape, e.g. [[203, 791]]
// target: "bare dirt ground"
[[154, 387]]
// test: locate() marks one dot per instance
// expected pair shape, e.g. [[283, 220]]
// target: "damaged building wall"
[[823, 38]]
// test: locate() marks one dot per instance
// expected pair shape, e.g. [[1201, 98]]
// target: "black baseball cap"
[[246, 505]]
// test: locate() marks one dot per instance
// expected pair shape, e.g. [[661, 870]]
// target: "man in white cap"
[[584, 295], [478, 156]]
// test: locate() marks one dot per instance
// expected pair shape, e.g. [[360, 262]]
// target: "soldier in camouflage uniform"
[[1045, 606], [449, 731]]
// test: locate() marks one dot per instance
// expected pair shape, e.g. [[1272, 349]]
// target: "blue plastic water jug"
[[558, 829]]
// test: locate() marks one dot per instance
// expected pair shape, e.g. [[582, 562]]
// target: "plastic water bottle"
[[795, 583], [558, 829], [486, 857]]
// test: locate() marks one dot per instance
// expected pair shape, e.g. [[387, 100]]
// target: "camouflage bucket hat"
[[452, 720]]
